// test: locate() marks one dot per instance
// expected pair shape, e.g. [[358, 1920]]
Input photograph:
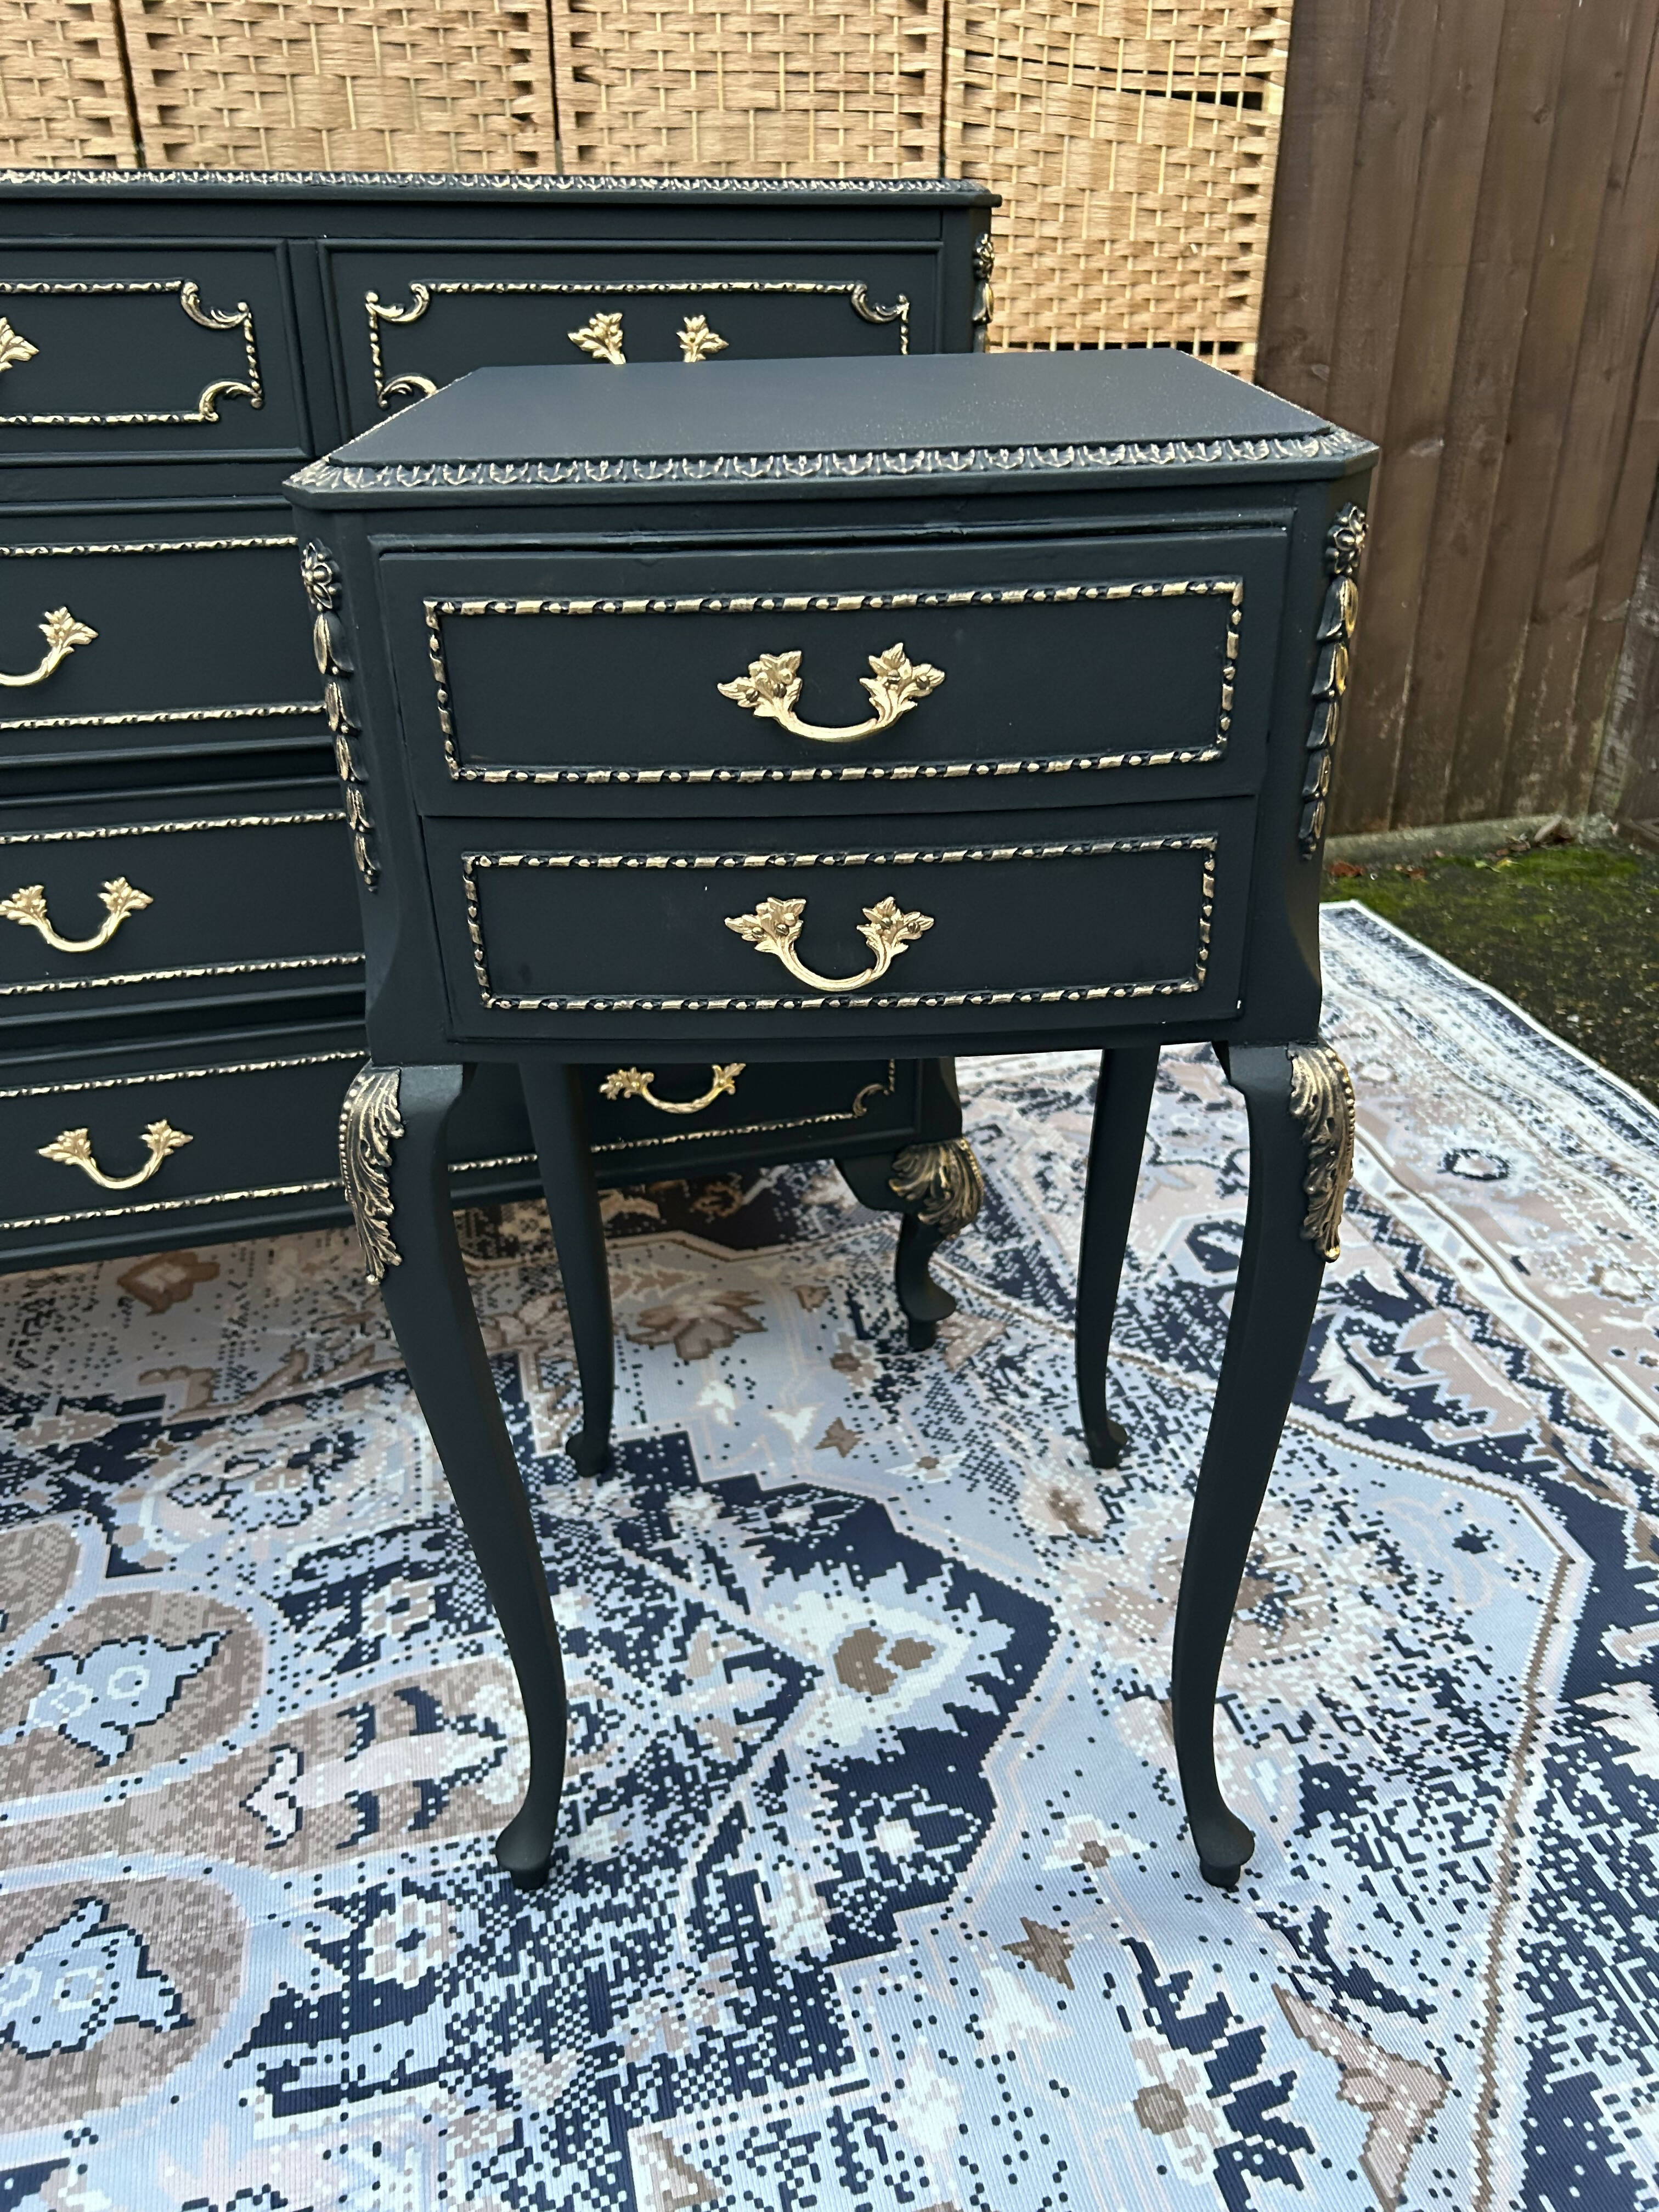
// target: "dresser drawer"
[[97, 914], [415, 317], [191, 638], [121, 353], [1121, 915], [668, 1119], [1128, 658], [184, 1142]]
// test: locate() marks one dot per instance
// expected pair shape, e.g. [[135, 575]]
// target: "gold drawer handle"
[[74, 1149], [775, 924], [119, 897], [63, 634], [772, 686], [636, 1083]]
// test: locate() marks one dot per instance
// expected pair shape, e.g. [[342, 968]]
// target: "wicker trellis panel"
[[63, 95], [358, 84], [1134, 146], [762, 87]]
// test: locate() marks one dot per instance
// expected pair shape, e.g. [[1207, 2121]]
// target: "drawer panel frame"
[[1203, 844], [1229, 588]]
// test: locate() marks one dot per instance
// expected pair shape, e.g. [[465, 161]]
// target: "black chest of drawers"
[[179, 944], [974, 705]]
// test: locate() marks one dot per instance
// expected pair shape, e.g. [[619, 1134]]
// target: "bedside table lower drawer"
[[830, 931]]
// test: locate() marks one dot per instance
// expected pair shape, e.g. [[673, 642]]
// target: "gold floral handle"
[[895, 683], [73, 1149], [119, 898], [63, 634], [775, 924], [636, 1083]]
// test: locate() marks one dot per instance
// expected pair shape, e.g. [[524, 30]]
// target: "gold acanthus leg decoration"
[[1322, 1106], [896, 684], [636, 1082], [119, 897], [370, 1125], [63, 634], [775, 924], [73, 1149], [943, 1182]]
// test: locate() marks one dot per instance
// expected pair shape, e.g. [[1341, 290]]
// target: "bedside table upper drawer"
[[130, 353], [96, 916], [814, 940], [196, 638], [1119, 657]]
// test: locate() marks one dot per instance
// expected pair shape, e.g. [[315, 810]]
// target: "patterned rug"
[[872, 1893]]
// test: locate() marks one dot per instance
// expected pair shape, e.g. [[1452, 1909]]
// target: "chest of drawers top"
[[599, 656], [234, 325]]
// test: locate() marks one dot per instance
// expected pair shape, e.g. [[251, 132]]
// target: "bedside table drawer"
[[1120, 658], [99, 916], [662, 1119], [196, 637], [809, 938]]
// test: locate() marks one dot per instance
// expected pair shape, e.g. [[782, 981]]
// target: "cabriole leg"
[[391, 1155], [1302, 1117], [940, 1188], [558, 1121], [1124, 1101]]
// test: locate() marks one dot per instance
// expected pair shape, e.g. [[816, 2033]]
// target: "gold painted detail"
[[775, 924], [319, 571], [188, 294], [370, 1125], [119, 899], [696, 341], [985, 298], [73, 1149], [1230, 589], [1322, 1106], [1344, 545], [63, 634], [421, 296], [636, 1082], [15, 348], [943, 1181], [601, 336], [895, 684]]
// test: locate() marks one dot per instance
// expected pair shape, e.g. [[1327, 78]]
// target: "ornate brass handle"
[[636, 1083], [895, 683], [775, 924], [63, 634], [119, 898], [74, 1149]]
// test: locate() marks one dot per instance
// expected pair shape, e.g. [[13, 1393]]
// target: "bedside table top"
[[984, 415]]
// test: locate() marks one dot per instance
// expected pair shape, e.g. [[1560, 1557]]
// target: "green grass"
[[1571, 932]]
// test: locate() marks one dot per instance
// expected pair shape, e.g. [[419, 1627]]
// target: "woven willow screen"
[[1133, 144]]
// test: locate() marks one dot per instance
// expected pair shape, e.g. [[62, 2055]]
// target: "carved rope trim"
[[1322, 1106], [943, 1182], [370, 1125]]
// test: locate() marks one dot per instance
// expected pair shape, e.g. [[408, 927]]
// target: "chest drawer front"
[[811, 940], [195, 638], [1124, 658], [118, 1148], [663, 1119], [95, 917], [415, 318], [181, 351]]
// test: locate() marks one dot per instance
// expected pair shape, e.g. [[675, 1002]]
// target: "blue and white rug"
[[872, 1893]]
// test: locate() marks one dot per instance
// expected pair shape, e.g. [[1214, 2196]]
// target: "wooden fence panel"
[[1494, 340]]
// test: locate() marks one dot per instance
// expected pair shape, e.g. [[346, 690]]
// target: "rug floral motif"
[[873, 1892]]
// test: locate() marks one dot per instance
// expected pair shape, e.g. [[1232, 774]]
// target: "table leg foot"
[[1123, 1101], [558, 1121], [1301, 1113], [392, 1153]]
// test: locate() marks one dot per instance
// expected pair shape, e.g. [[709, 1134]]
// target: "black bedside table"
[[596, 653]]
